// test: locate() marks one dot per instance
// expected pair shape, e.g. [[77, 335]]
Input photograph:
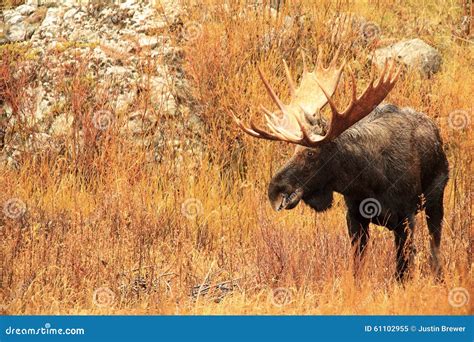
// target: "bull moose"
[[386, 161]]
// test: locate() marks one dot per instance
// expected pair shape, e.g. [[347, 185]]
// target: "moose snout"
[[283, 197]]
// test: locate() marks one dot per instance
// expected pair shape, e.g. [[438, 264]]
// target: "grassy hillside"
[[103, 230]]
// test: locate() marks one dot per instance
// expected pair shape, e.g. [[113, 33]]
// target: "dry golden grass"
[[104, 216], [11, 3]]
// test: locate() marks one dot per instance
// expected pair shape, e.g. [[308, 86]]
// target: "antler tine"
[[397, 74], [266, 111], [306, 139], [381, 77], [290, 79], [305, 69], [319, 59], [268, 115], [354, 86], [321, 84], [394, 78], [271, 92], [263, 134], [276, 128], [332, 63], [336, 56], [280, 131], [243, 127], [360, 106], [253, 130]]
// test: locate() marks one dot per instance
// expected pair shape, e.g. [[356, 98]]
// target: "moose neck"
[[346, 160]]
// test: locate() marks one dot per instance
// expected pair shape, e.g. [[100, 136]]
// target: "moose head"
[[299, 122]]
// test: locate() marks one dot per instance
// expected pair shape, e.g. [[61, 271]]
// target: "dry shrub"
[[103, 215]]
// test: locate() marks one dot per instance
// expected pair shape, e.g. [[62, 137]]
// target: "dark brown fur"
[[394, 156]]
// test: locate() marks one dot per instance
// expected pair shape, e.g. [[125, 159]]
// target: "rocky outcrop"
[[122, 47], [414, 53]]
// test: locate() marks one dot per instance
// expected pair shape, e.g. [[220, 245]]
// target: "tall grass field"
[[103, 226]]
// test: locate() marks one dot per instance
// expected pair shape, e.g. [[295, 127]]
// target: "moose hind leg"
[[434, 218], [404, 245]]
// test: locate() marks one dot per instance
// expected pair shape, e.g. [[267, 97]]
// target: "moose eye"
[[310, 153]]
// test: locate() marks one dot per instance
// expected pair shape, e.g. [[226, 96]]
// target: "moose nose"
[[281, 199], [276, 195]]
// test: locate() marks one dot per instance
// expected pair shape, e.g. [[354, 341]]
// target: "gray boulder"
[[414, 53], [16, 32], [25, 9]]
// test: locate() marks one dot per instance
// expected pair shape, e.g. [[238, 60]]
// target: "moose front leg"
[[358, 227]]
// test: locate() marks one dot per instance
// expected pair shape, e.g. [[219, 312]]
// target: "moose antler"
[[315, 90]]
